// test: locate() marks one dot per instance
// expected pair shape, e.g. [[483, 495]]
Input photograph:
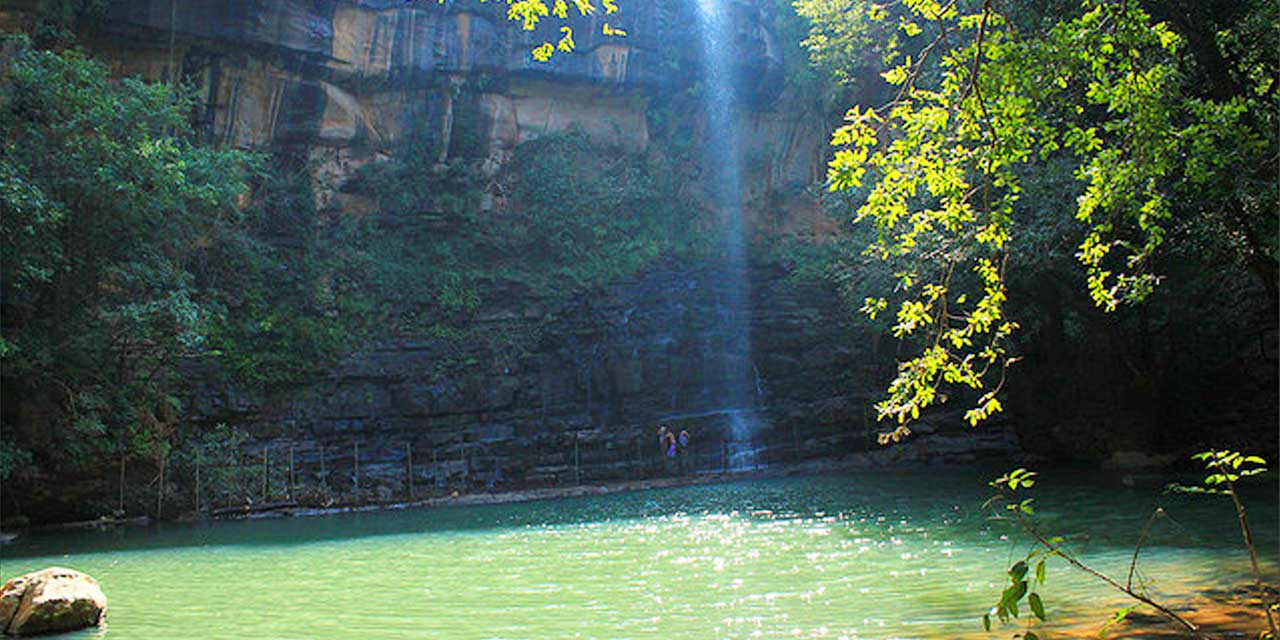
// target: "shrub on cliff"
[[573, 216]]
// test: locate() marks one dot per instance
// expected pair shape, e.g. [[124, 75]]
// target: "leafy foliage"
[[274, 274], [845, 38], [1020, 585], [303, 290], [105, 201], [945, 165], [597, 213], [217, 454], [133, 252], [1227, 468], [581, 216], [529, 13]]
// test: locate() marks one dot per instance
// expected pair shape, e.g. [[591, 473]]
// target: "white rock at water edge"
[[51, 601]]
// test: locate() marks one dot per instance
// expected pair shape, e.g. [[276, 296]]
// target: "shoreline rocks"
[[52, 600]]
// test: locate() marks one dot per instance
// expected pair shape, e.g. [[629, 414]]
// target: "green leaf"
[[1037, 607], [1031, 635], [986, 621], [1040, 572], [1117, 618], [1019, 590], [1018, 571], [896, 75]]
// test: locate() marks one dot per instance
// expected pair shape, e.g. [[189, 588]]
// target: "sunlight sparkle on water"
[[867, 556]]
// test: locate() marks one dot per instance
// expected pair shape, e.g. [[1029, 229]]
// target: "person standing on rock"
[[683, 441], [667, 441]]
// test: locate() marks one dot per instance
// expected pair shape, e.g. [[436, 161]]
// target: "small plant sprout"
[[1021, 586], [1018, 509], [1226, 468]]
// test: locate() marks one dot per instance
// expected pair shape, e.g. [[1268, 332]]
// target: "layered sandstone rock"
[[361, 72]]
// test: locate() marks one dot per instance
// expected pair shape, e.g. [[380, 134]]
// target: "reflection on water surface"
[[867, 555]]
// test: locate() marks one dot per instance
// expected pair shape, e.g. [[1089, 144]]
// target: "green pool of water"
[[869, 555]]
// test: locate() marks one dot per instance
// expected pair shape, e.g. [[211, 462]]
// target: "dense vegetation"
[[1137, 140], [108, 208], [1090, 190]]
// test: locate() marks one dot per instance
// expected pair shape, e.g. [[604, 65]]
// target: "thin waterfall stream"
[[739, 396]]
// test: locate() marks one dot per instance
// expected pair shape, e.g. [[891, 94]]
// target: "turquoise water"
[[869, 555]]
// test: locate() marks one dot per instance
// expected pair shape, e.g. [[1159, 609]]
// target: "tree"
[[105, 200], [1108, 89]]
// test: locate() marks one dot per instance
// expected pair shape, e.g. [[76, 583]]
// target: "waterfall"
[[722, 160]]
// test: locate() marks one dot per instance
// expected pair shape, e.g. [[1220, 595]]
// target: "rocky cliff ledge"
[[342, 73], [418, 418], [341, 82]]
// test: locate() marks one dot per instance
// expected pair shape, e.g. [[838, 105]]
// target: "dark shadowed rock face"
[[341, 81], [50, 601], [337, 84], [584, 404]]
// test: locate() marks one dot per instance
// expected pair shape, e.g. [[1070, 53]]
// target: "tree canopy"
[[1165, 116], [106, 202]]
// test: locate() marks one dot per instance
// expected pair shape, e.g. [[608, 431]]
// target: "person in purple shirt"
[[667, 441]]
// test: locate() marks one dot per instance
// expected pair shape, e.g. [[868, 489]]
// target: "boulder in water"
[[51, 601]]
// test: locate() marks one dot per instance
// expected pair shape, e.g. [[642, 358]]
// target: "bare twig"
[[1189, 626], [1133, 564]]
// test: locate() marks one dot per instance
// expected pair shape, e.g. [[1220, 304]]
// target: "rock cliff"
[[337, 84]]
